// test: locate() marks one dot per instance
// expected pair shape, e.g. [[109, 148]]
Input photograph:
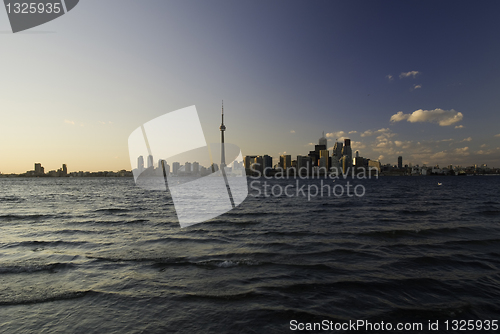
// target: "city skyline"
[[366, 71]]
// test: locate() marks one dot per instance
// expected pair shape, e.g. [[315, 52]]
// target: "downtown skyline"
[[378, 73]]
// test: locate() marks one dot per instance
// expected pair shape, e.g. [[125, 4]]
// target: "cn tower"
[[223, 157], [222, 151]]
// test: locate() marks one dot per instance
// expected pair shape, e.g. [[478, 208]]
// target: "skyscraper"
[[286, 161], [39, 170], [337, 150], [347, 153], [323, 140], [248, 161], [268, 162], [175, 167], [323, 159], [400, 162], [196, 167], [150, 161], [140, 163]]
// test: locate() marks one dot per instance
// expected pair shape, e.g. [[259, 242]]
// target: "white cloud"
[[440, 116], [357, 145], [454, 155], [368, 133], [389, 77], [484, 145], [417, 86], [336, 135], [459, 126], [69, 122], [384, 144], [467, 139], [463, 150], [403, 144], [351, 132], [292, 131], [409, 74], [493, 151], [498, 135]]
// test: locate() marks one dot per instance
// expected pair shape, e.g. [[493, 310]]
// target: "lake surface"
[[100, 255]]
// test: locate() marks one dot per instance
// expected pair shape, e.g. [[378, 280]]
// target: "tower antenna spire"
[[223, 157]]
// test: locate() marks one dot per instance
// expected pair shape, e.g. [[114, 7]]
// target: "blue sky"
[[73, 89]]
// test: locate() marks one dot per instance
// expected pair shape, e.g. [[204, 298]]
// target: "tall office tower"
[[248, 160], [357, 154], [315, 154], [400, 162], [258, 163], [268, 162], [64, 170], [175, 168], [345, 163], [150, 161], [323, 140], [337, 150], [140, 164], [314, 158], [323, 164], [304, 165], [286, 161], [346, 155], [196, 167], [39, 169], [323, 159], [222, 151], [346, 150], [187, 167]]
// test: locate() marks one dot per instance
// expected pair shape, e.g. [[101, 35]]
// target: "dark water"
[[103, 256]]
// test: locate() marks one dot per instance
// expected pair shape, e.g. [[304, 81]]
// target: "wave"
[[223, 296], [416, 212], [37, 300], [440, 261], [112, 210], [14, 199], [31, 268], [181, 261], [45, 243], [487, 213], [24, 217], [416, 231]]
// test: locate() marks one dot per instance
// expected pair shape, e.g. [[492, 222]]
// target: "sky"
[[418, 79]]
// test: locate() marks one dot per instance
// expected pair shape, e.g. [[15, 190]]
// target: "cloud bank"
[[439, 116]]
